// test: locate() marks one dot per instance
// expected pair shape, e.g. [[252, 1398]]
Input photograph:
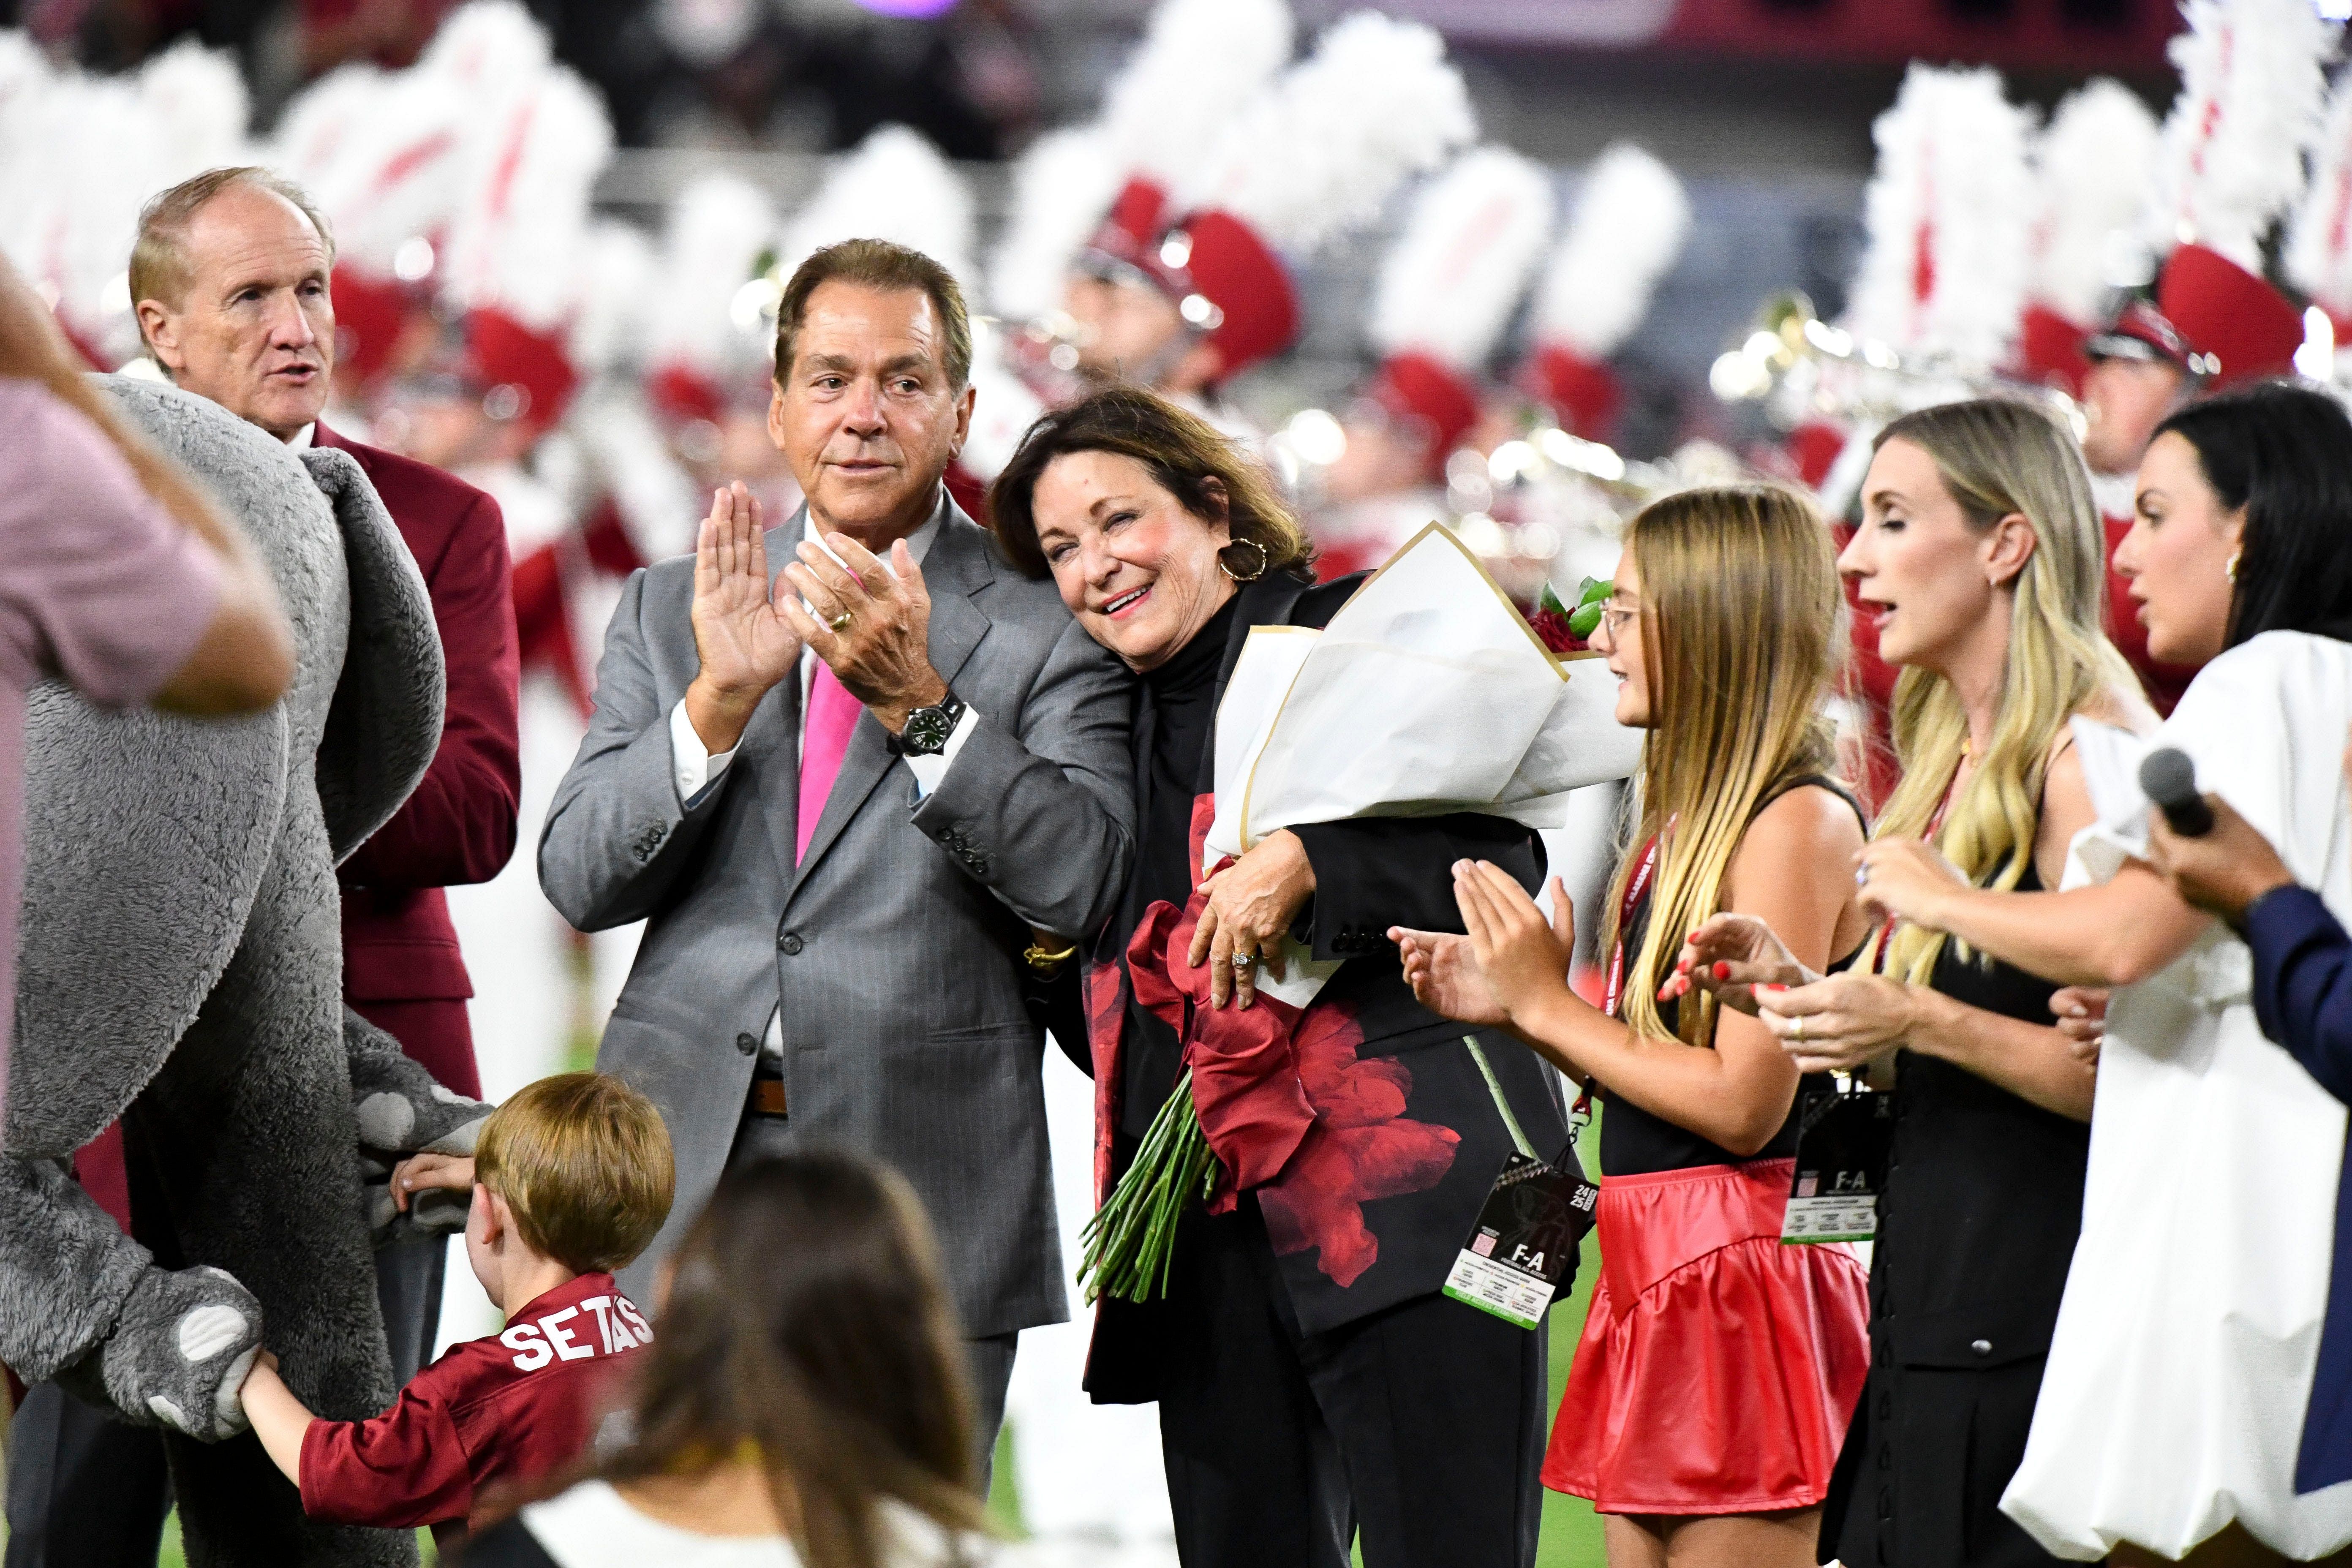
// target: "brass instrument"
[[1801, 367]]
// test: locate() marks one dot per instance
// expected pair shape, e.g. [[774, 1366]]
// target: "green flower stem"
[[1130, 1244]]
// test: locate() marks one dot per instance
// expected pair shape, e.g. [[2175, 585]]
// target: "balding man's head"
[[229, 278]]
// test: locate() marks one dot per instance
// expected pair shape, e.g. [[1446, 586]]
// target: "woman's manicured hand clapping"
[[1731, 955]]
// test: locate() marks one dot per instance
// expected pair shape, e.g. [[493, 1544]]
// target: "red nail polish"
[[1723, 972]]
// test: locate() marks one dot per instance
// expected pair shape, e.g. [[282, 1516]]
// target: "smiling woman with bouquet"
[[1719, 1366], [1311, 1378]]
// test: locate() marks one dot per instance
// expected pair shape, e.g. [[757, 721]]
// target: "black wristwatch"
[[927, 729]]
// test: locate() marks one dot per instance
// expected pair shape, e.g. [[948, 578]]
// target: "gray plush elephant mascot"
[[181, 969]]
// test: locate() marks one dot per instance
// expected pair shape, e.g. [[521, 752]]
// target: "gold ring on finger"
[[1800, 1033], [840, 623]]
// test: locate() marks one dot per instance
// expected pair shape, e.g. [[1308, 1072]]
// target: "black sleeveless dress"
[[1634, 1142], [1976, 1229]]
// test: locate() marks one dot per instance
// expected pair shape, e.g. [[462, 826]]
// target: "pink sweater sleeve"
[[98, 583]]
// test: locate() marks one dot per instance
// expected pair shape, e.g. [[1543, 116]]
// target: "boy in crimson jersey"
[[569, 1181]]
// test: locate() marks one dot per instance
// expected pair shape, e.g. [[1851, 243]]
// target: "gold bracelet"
[[1044, 964]]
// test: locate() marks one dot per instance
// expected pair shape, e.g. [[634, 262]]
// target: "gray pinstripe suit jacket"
[[895, 944]]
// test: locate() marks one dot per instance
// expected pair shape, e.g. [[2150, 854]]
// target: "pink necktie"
[[832, 715]]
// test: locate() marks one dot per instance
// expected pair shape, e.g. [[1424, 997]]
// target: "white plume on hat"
[[893, 185], [196, 102], [1004, 406], [1324, 147], [620, 280], [2251, 81], [1200, 63], [1630, 223], [28, 90], [711, 242], [486, 45], [2091, 167], [382, 154], [1947, 213], [2317, 257], [82, 154], [1452, 277], [516, 238], [1062, 185]]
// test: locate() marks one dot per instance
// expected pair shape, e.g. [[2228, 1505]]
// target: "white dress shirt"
[[305, 438], [695, 767]]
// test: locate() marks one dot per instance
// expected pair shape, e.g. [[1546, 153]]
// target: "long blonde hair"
[[1999, 457], [1741, 629]]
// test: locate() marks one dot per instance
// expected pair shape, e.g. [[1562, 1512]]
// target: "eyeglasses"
[[1614, 615]]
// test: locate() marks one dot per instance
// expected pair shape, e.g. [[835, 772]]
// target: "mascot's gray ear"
[[384, 723], [147, 835]]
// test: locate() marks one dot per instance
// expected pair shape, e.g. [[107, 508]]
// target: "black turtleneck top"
[[1177, 723]]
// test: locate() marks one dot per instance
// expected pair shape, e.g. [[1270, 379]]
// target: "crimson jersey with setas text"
[[492, 1414]]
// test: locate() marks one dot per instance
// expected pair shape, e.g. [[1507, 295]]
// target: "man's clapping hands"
[[745, 633], [869, 621]]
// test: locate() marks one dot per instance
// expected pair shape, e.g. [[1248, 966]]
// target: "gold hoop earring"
[[2230, 566], [1263, 561]]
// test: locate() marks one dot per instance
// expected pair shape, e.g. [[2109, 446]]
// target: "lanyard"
[[1614, 989], [1635, 886]]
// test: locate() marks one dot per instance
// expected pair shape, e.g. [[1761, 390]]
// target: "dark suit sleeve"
[[460, 825], [1043, 813], [1372, 873], [2303, 983]]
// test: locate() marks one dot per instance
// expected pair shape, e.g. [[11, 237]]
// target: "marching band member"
[[1632, 221], [2228, 163], [1446, 289], [1198, 277]]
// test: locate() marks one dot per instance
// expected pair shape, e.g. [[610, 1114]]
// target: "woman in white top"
[[2184, 1353], [804, 1400]]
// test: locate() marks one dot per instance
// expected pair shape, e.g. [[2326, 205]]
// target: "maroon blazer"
[[399, 948]]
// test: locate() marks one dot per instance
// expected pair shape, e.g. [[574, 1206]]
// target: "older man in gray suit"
[[843, 795]]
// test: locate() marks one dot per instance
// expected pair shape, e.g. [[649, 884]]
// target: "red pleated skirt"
[[1718, 1367]]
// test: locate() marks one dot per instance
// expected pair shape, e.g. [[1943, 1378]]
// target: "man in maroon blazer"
[[230, 278]]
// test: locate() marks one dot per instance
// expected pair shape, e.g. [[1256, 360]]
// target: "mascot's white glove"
[[178, 1354], [401, 1111]]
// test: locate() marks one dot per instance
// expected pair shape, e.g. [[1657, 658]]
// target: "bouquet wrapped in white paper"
[[1427, 693]]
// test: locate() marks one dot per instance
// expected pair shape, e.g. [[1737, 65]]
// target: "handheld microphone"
[[2167, 777]]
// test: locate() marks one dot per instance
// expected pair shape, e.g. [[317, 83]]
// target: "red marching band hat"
[[2212, 319], [1584, 395], [1227, 283], [2051, 349], [523, 373], [1428, 397]]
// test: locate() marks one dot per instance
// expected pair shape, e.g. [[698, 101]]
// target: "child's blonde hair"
[[584, 1163]]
